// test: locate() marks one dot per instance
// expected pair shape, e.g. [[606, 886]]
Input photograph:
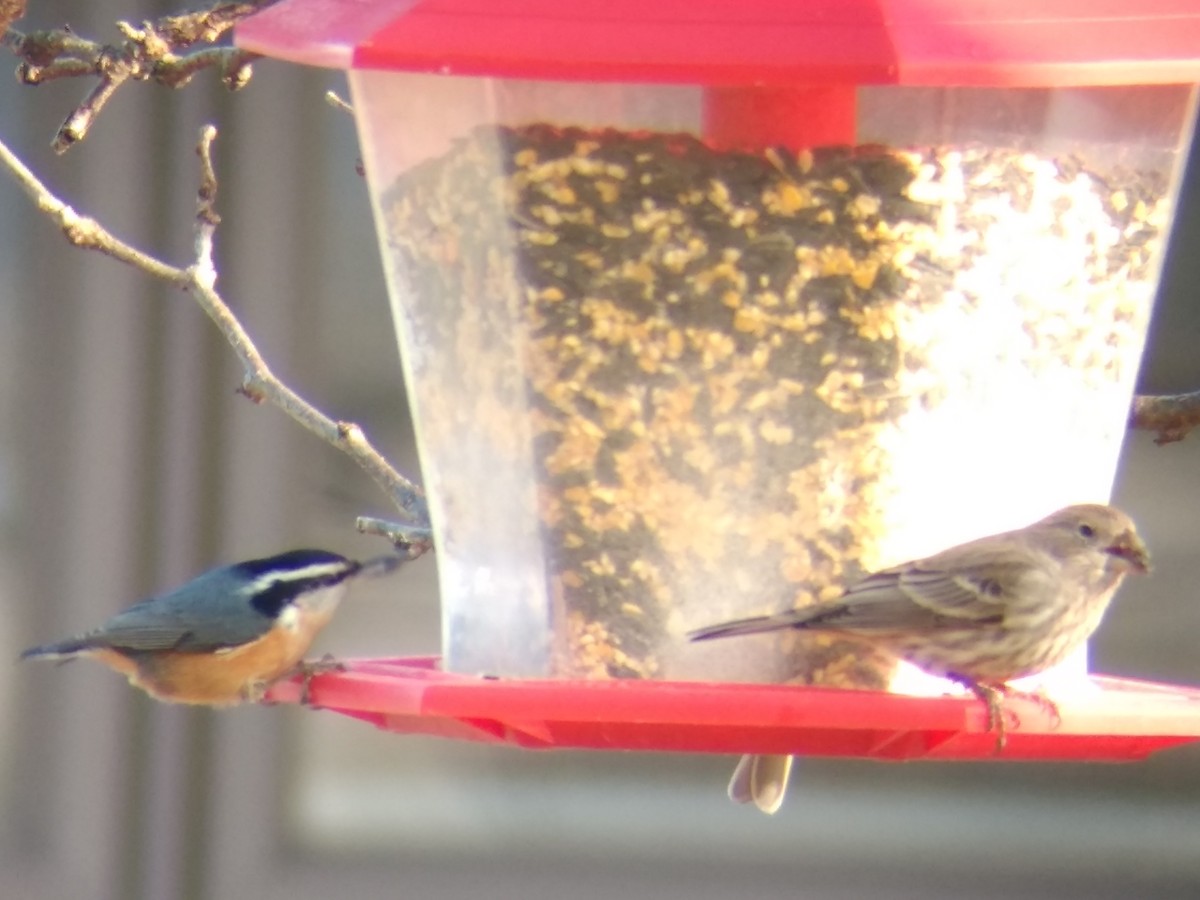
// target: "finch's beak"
[[1129, 548]]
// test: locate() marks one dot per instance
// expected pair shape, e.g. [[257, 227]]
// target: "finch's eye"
[[1087, 531]]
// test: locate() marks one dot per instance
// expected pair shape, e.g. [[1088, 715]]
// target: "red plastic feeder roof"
[[1124, 720], [747, 42]]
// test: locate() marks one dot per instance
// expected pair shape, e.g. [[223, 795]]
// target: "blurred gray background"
[[127, 464]]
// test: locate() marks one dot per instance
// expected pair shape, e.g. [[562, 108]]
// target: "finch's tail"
[[755, 625]]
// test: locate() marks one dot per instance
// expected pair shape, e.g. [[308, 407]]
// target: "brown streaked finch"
[[982, 613]]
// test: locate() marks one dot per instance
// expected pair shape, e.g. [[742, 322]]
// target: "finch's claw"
[[992, 696], [995, 706], [1044, 703]]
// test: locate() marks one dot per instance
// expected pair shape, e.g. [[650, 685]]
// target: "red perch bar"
[[1120, 720]]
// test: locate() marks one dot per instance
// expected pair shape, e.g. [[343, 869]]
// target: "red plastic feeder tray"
[[1121, 720]]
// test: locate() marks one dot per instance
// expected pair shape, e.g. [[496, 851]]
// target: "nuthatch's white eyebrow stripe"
[[314, 572]]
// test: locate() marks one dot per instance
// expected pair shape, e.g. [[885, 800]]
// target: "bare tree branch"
[[83, 231], [1171, 415], [148, 53], [259, 383]]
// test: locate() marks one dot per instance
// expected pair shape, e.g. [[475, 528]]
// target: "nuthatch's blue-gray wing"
[[222, 608]]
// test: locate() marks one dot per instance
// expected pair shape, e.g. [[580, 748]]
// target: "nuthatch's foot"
[[308, 669], [256, 692]]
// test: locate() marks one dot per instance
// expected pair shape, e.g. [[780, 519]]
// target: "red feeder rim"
[[1122, 720]]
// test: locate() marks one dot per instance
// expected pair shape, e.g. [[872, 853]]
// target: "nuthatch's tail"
[[60, 650]]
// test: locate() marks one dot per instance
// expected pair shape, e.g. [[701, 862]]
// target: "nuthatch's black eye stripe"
[[285, 564], [273, 584]]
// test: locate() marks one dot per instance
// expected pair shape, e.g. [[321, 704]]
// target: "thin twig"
[[409, 540], [259, 383], [343, 106], [150, 52], [1171, 415], [332, 98]]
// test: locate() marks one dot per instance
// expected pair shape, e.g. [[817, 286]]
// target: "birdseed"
[[701, 355]]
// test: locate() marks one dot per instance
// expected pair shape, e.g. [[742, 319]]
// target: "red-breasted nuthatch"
[[225, 636]]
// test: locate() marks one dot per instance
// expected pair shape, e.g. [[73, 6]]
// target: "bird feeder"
[[707, 308]]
